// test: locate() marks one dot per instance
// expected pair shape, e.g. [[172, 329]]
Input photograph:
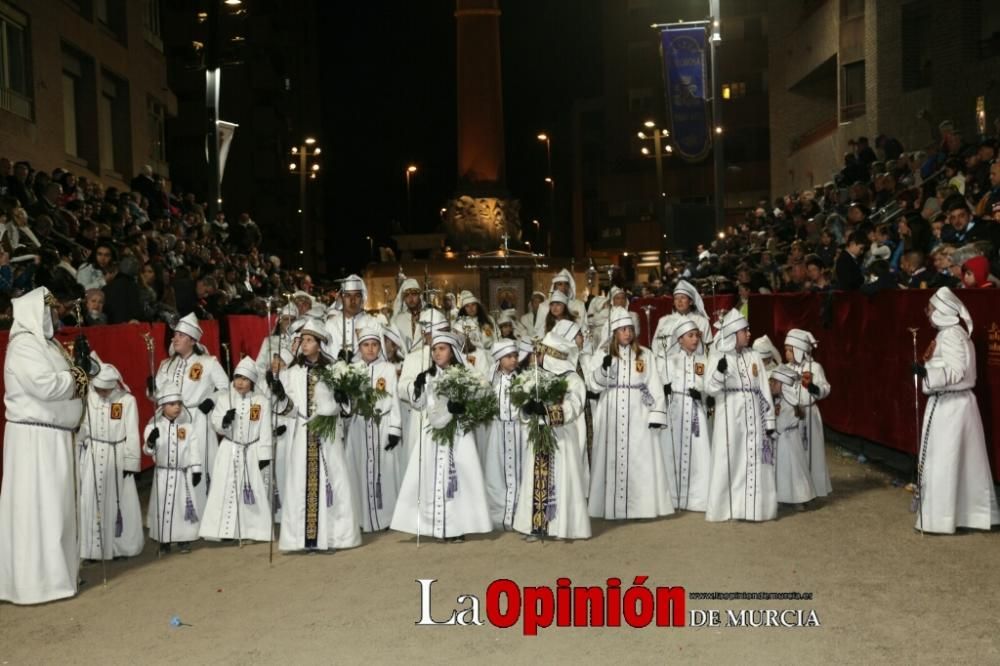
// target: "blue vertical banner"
[[685, 73]]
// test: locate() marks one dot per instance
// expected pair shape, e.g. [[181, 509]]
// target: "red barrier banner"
[[246, 332]]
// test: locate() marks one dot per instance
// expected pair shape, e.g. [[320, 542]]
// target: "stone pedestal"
[[478, 223]]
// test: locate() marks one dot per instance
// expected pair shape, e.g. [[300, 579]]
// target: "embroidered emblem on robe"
[[753, 368], [640, 365], [380, 384], [181, 433], [194, 374], [116, 410], [699, 369], [807, 379], [254, 412]]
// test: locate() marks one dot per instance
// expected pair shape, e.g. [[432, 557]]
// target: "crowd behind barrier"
[[865, 347]]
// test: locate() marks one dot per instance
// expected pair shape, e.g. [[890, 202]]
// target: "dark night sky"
[[389, 100]]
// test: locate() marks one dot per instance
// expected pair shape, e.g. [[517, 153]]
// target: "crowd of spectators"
[[890, 219], [112, 256]]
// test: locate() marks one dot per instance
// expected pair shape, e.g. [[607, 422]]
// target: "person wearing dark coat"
[[848, 266], [122, 296]]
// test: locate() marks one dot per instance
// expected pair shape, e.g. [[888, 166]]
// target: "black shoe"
[[458, 539], [184, 547], [164, 547]]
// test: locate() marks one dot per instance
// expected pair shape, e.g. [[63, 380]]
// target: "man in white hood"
[[406, 311], [44, 387], [343, 324], [564, 282]]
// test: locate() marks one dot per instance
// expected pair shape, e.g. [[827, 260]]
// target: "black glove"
[[919, 370], [606, 363], [591, 395], [694, 393], [340, 397], [419, 383], [723, 365], [195, 479], [456, 407], [151, 385], [81, 352], [433, 370], [261, 464], [812, 388], [279, 431], [269, 379], [535, 407], [344, 355], [278, 389], [394, 441], [206, 406], [227, 420], [128, 473], [656, 426], [709, 402], [770, 432], [154, 435], [668, 390]]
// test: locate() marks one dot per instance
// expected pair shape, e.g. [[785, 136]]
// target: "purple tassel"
[[695, 422], [767, 453], [248, 496], [189, 514], [452, 475], [378, 492], [329, 495], [119, 526], [277, 501]]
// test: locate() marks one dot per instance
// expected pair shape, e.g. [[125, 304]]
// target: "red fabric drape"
[[123, 346], [246, 332]]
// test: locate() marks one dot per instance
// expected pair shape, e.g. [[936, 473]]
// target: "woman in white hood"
[[799, 346], [954, 483]]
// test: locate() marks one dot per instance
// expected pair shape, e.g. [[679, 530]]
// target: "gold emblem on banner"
[[116, 410], [699, 369], [255, 412], [194, 374], [181, 434], [753, 368], [640, 366], [380, 384]]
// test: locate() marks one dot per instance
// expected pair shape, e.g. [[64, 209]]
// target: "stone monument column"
[[481, 210]]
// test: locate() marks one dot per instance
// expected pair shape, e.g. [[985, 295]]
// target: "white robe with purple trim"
[[628, 478]]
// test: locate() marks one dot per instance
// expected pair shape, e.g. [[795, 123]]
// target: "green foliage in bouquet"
[[459, 384], [355, 383], [550, 390]]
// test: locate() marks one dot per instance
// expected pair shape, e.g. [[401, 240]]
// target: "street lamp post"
[[659, 149], [547, 140], [371, 247], [410, 170], [305, 172]]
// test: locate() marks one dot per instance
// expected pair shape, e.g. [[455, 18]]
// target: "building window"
[[734, 90], [15, 86], [113, 131], [989, 27], [72, 76], [156, 115], [918, 35], [110, 14], [151, 23], [852, 91]]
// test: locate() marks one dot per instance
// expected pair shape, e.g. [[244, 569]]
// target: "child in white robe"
[[742, 481], [793, 481], [507, 443], [373, 444], [238, 504], [110, 458], [799, 346], [687, 448], [173, 438]]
